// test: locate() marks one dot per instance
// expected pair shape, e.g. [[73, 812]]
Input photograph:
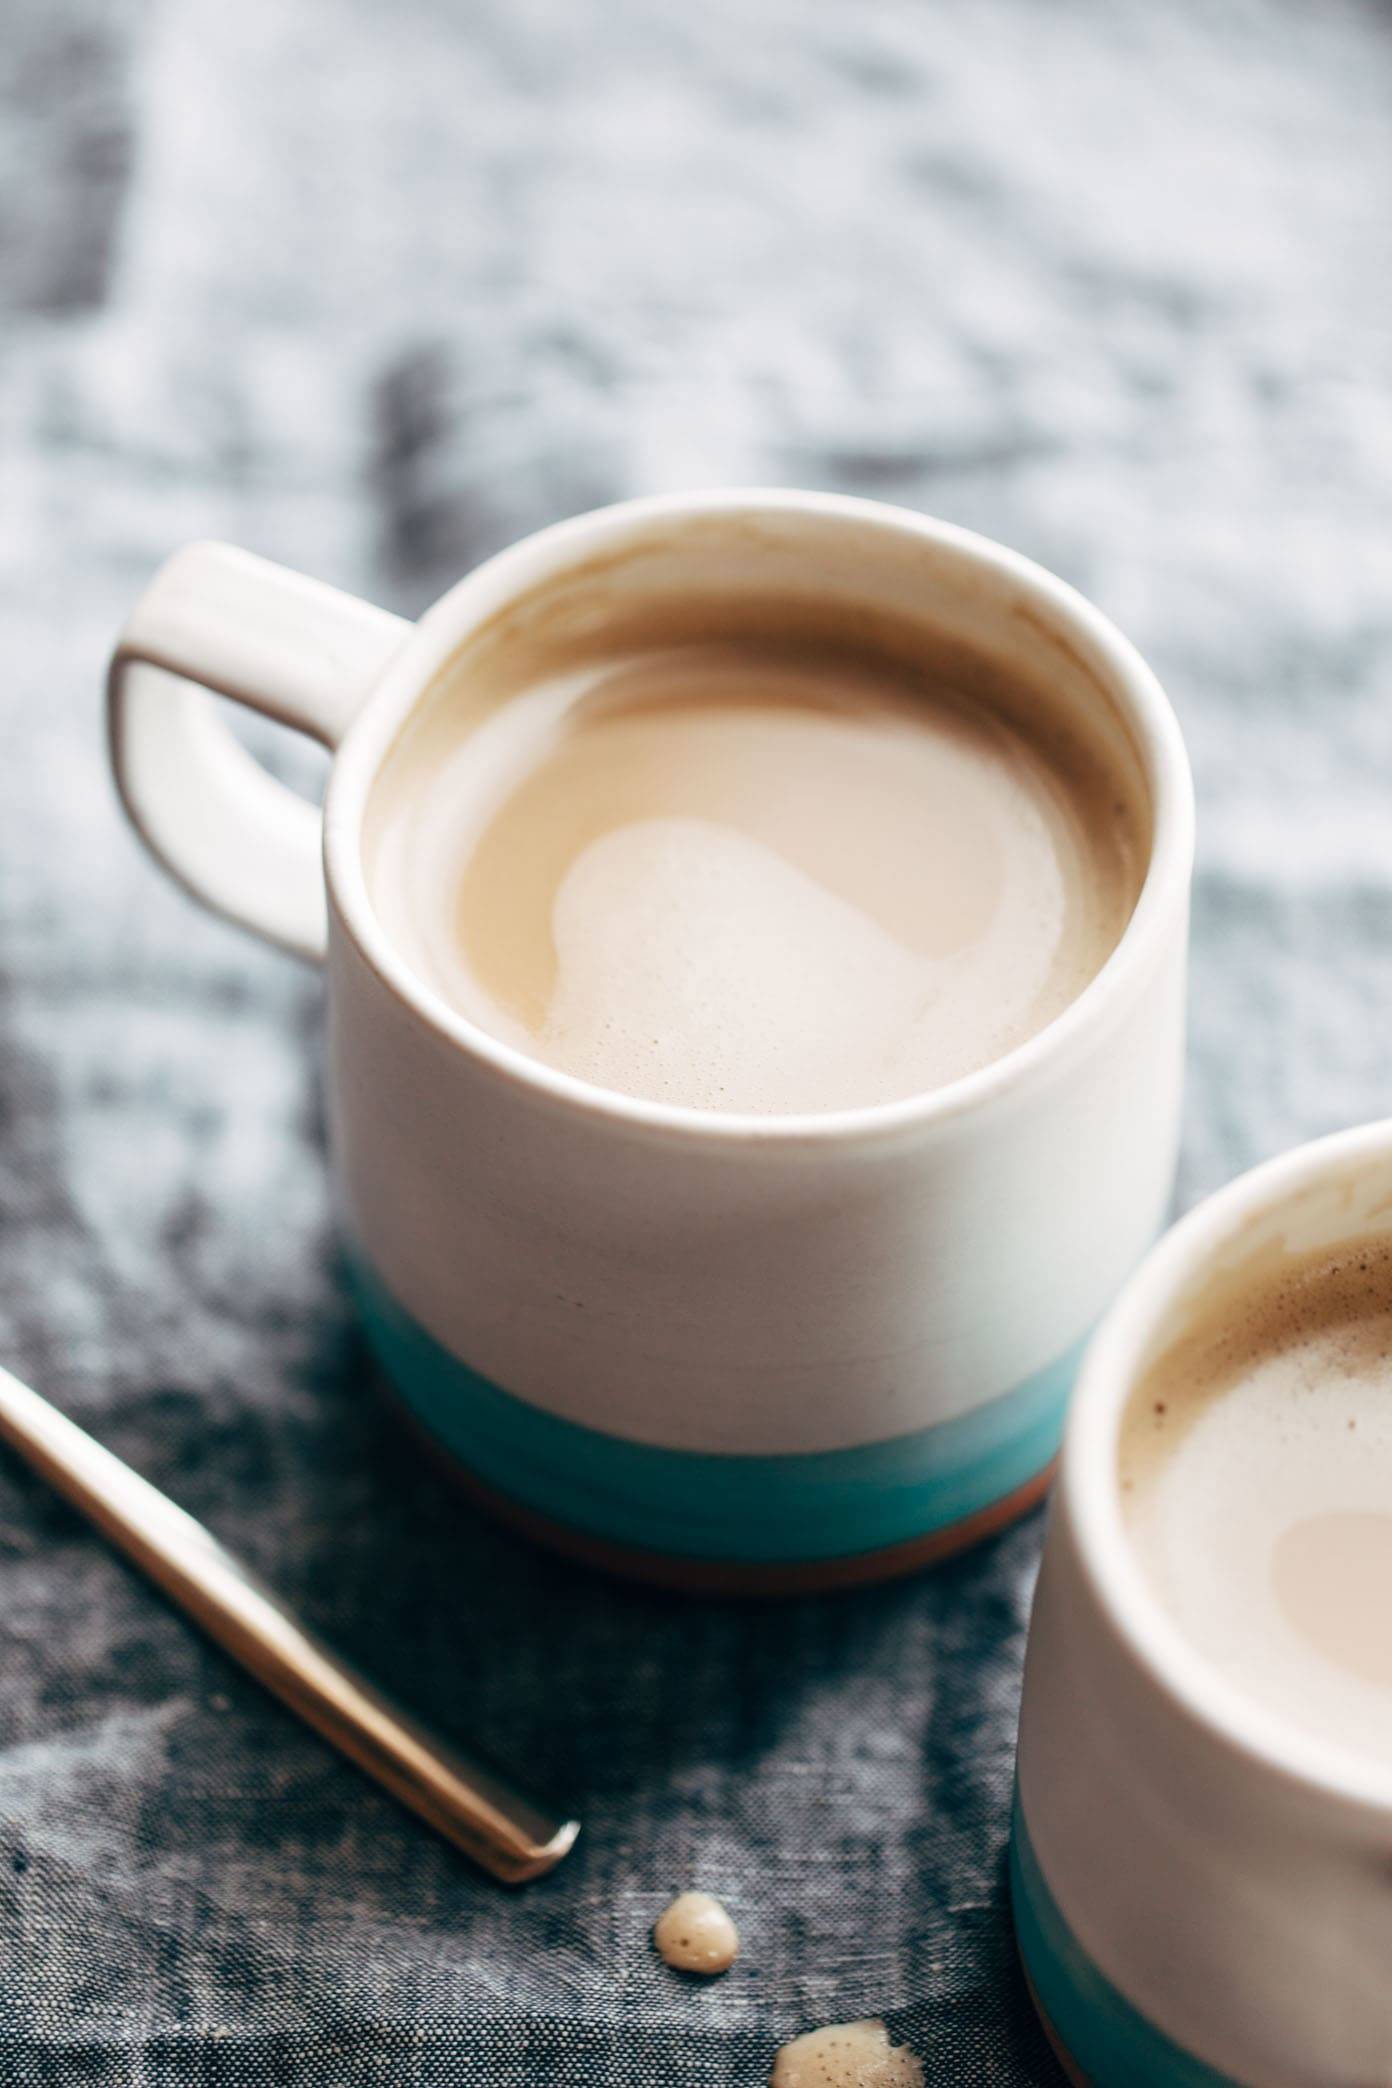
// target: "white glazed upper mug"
[[771, 1351], [1202, 1894]]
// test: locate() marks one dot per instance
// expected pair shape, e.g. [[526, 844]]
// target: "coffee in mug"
[[1256, 1474], [802, 866]]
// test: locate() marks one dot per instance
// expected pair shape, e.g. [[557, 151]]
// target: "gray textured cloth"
[[373, 290]]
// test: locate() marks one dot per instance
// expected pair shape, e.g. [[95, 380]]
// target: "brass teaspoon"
[[509, 1835]]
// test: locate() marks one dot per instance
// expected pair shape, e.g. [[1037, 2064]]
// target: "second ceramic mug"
[[1202, 1894], [760, 1352]]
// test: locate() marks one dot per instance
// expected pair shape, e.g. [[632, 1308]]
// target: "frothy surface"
[[748, 876], [1256, 1472]]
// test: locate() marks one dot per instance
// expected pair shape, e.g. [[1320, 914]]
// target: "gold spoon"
[[509, 1835]]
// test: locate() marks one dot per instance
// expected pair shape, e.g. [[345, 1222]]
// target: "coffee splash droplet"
[[846, 2055], [696, 1934]]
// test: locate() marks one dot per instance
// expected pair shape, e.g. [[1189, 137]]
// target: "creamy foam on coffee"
[[1256, 1473], [751, 873]]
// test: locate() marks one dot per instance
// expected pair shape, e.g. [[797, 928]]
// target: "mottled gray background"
[[373, 289]]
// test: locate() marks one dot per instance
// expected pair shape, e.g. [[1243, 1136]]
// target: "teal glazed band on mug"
[[716, 1349], [1097, 2034]]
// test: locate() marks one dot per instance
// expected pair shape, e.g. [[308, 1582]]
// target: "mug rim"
[[1089, 1496], [513, 571]]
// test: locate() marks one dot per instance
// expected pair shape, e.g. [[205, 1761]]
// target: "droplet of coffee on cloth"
[[846, 2055], [696, 1934]]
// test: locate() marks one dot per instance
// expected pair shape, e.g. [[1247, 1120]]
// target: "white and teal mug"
[[766, 1352], [1202, 1893]]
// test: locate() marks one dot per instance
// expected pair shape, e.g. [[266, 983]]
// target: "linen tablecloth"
[[373, 290]]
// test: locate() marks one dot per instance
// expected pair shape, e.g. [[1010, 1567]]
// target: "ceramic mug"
[[758, 1352], [1202, 1895]]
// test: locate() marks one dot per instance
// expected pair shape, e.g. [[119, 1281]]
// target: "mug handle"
[[218, 619]]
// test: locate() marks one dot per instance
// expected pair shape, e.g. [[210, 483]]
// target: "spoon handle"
[[506, 1833]]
